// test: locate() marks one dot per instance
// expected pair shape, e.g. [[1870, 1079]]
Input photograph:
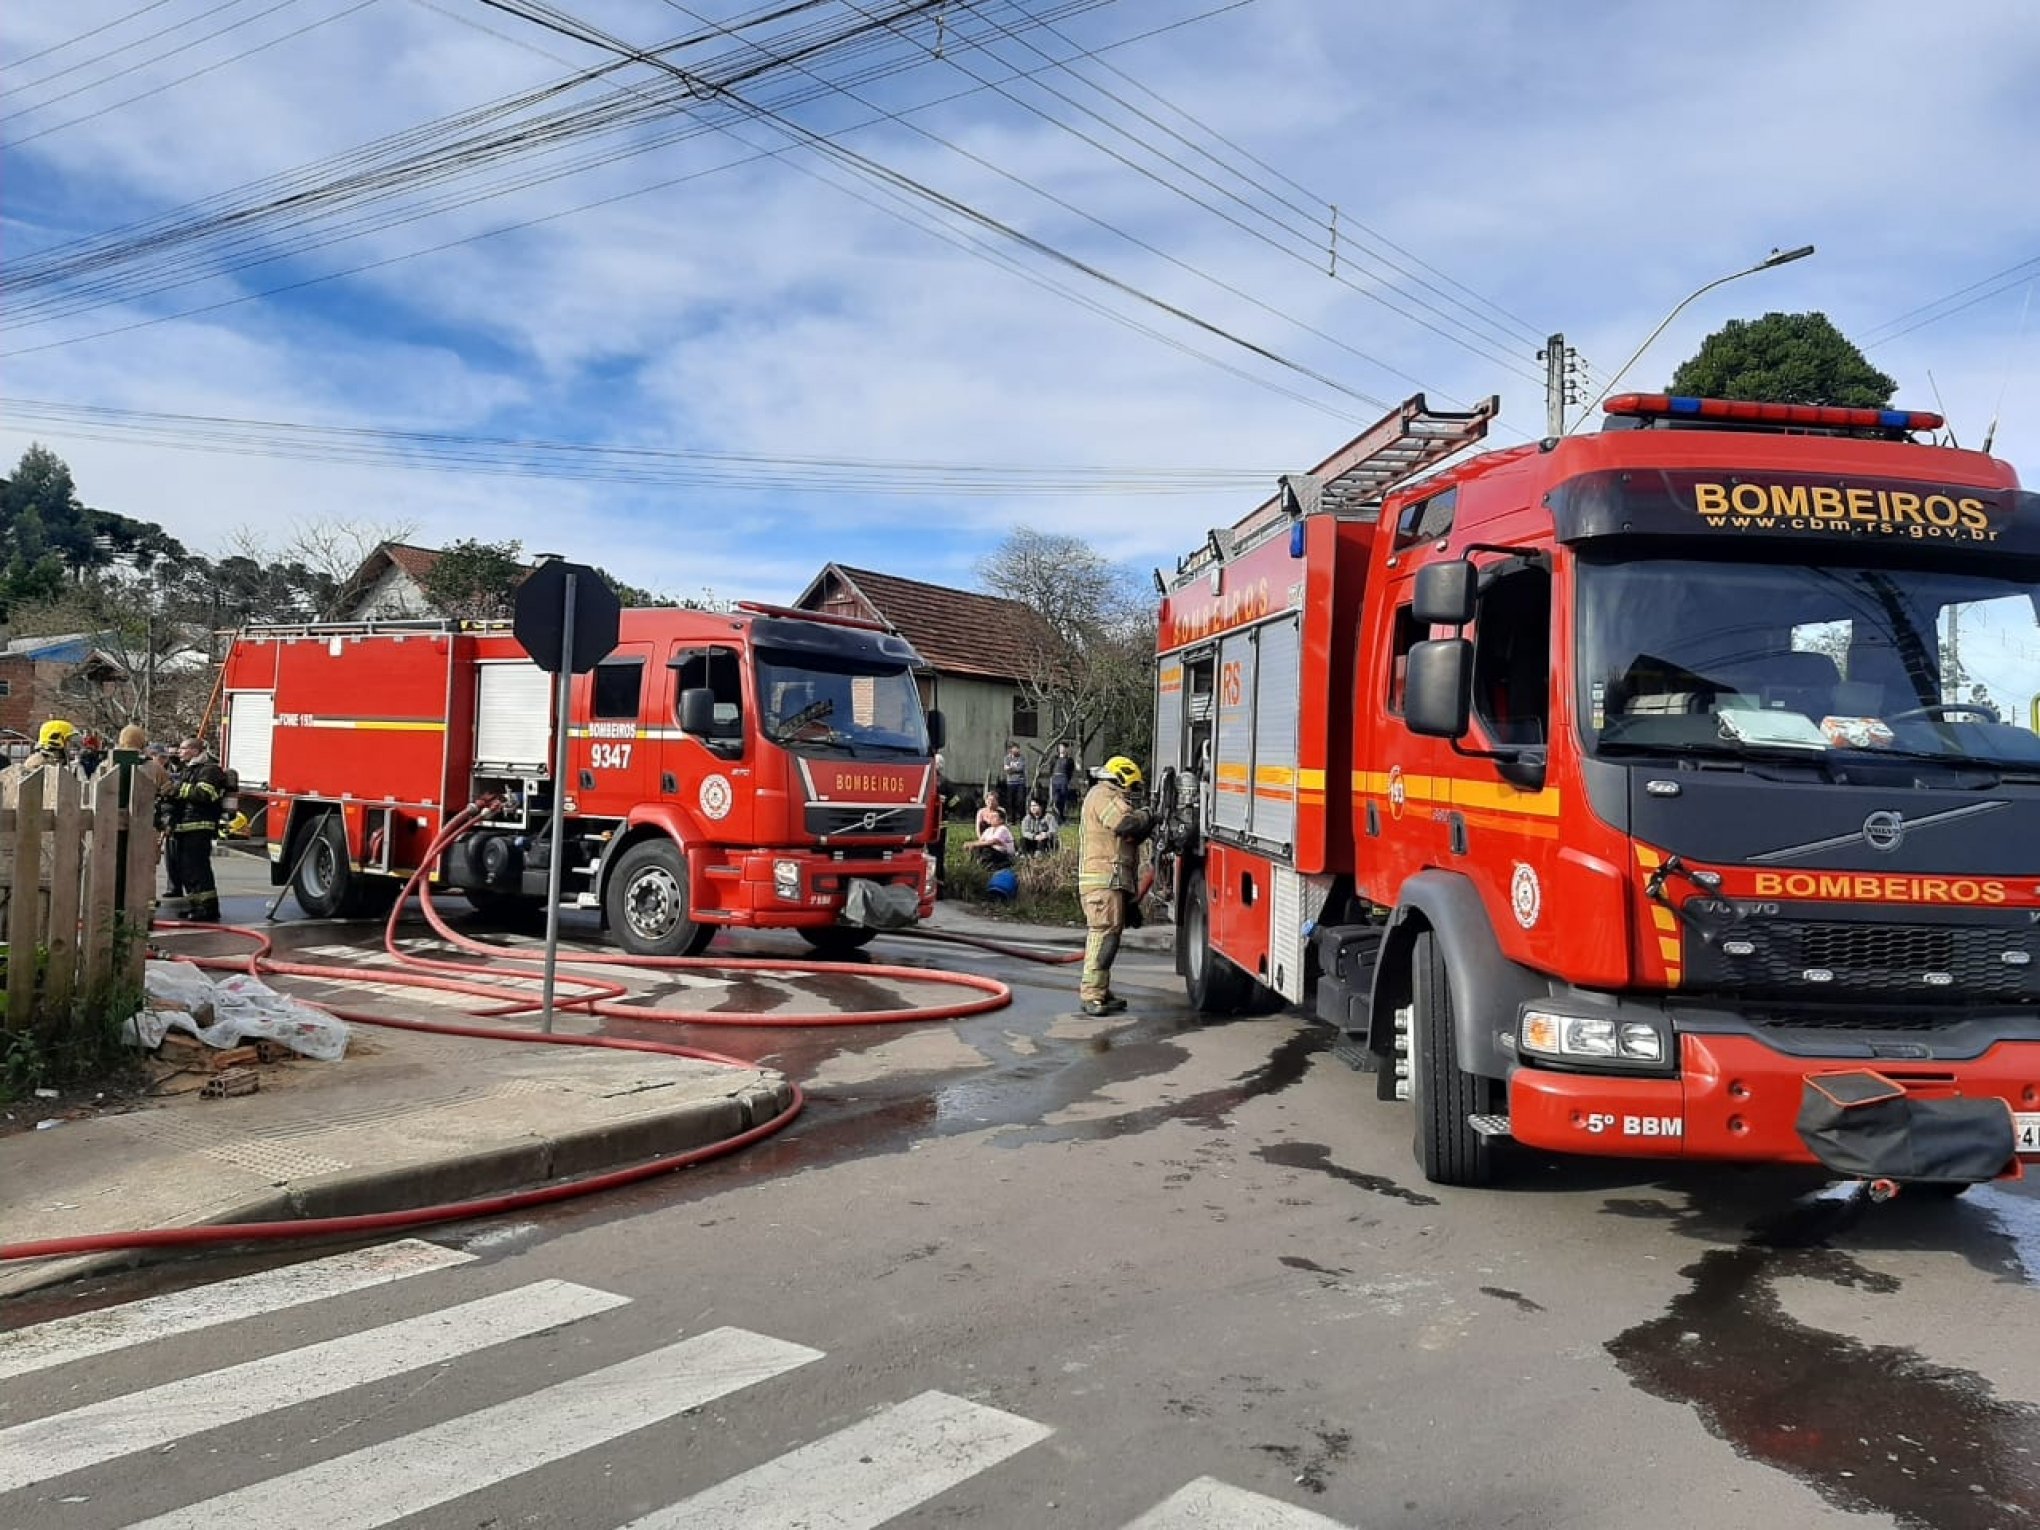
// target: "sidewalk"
[[406, 1119], [960, 919]]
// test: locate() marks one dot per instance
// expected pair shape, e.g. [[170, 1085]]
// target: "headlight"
[[1590, 1036], [786, 880]]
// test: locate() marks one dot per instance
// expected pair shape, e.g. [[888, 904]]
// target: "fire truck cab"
[[1662, 791], [758, 767]]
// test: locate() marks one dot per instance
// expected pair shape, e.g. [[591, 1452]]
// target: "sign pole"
[[559, 816]]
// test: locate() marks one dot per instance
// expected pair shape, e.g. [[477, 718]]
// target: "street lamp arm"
[[1775, 258]]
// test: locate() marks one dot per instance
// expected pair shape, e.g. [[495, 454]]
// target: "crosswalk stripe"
[[379, 1484], [65, 1442], [63, 1340], [1208, 1504], [862, 1476]]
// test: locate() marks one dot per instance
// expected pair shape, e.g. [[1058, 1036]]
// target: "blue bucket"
[[1004, 886]]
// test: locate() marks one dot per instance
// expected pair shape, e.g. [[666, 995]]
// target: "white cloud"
[[1585, 167]]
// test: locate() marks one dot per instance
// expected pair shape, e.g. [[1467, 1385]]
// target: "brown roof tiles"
[[956, 631]]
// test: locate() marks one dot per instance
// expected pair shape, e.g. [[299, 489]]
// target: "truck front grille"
[[1880, 961], [892, 820]]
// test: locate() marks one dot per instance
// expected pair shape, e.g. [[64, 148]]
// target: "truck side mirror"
[[697, 711], [1438, 687], [1445, 593], [937, 729]]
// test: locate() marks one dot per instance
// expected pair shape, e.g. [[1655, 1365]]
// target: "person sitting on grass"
[[987, 808], [994, 845], [1039, 830]]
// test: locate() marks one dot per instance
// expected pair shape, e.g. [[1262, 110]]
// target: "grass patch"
[[78, 1048], [1048, 882]]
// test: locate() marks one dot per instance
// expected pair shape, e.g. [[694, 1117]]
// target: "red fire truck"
[[1644, 792], [746, 768]]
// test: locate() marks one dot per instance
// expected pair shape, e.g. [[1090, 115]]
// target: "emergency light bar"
[[1829, 416]]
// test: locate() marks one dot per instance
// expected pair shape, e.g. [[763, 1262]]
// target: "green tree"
[[476, 581], [1783, 358]]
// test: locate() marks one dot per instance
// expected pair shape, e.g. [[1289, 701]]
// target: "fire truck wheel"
[[646, 902], [324, 883], [837, 939], [1449, 1150], [1215, 985]]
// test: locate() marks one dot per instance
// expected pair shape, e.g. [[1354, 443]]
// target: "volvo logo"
[[1884, 830], [871, 820]]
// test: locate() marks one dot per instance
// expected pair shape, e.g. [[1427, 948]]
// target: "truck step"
[[1489, 1126]]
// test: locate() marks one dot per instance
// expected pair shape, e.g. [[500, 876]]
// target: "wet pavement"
[[1219, 1237]]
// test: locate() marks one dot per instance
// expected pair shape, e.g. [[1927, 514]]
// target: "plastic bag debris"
[[230, 1012], [880, 905]]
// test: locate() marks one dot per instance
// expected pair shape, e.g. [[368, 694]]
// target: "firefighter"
[[197, 803], [52, 744], [1108, 875]]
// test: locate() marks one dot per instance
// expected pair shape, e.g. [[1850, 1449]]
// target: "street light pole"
[[1775, 258]]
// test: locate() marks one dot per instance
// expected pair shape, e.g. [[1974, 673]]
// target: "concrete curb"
[[466, 1176]]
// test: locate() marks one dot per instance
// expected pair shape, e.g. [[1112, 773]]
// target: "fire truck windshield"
[[1735, 658], [813, 704]]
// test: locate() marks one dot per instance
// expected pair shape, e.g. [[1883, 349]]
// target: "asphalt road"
[[1038, 1270]]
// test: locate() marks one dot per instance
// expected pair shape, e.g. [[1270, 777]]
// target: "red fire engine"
[[1629, 793], [756, 767]]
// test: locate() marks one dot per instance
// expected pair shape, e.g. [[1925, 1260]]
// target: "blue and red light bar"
[[1748, 412]]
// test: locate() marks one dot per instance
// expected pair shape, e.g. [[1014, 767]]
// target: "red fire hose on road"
[[596, 996]]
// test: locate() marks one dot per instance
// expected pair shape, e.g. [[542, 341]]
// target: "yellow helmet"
[[56, 734], [1119, 768]]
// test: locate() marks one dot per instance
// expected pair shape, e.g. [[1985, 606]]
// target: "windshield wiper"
[[1725, 751]]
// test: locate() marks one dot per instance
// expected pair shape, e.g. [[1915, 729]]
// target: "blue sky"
[[1579, 167]]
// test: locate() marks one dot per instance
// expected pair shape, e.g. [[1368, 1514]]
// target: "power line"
[[437, 152], [497, 456], [552, 17], [1102, 223], [1324, 248], [106, 26], [157, 90], [155, 58], [1997, 282]]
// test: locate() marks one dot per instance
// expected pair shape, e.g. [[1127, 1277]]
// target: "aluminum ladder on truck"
[[1353, 481]]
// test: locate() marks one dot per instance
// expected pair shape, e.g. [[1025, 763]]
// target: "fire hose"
[[597, 996]]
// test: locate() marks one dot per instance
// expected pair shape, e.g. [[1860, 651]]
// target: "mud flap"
[[880, 905], [1864, 1125]]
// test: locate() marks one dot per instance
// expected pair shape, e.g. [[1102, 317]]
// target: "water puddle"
[[1872, 1428], [1316, 1157]]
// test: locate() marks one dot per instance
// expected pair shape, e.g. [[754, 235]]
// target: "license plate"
[[2026, 1128]]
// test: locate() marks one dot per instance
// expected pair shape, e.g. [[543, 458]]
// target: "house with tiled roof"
[[976, 649], [389, 585]]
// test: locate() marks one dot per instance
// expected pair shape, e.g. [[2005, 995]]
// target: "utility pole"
[[1561, 364]]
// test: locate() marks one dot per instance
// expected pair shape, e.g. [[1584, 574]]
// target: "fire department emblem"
[[1526, 897], [715, 797], [1397, 793]]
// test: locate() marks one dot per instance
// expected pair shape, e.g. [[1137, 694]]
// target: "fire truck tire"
[[646, 902], [1215, 985], [837, 939], [324, 882], [1448, 1149]]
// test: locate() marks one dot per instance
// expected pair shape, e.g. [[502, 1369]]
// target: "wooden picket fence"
[[70, 851]]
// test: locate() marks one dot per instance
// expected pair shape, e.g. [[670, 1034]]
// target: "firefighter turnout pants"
[[1104, 920], [191, 870]]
